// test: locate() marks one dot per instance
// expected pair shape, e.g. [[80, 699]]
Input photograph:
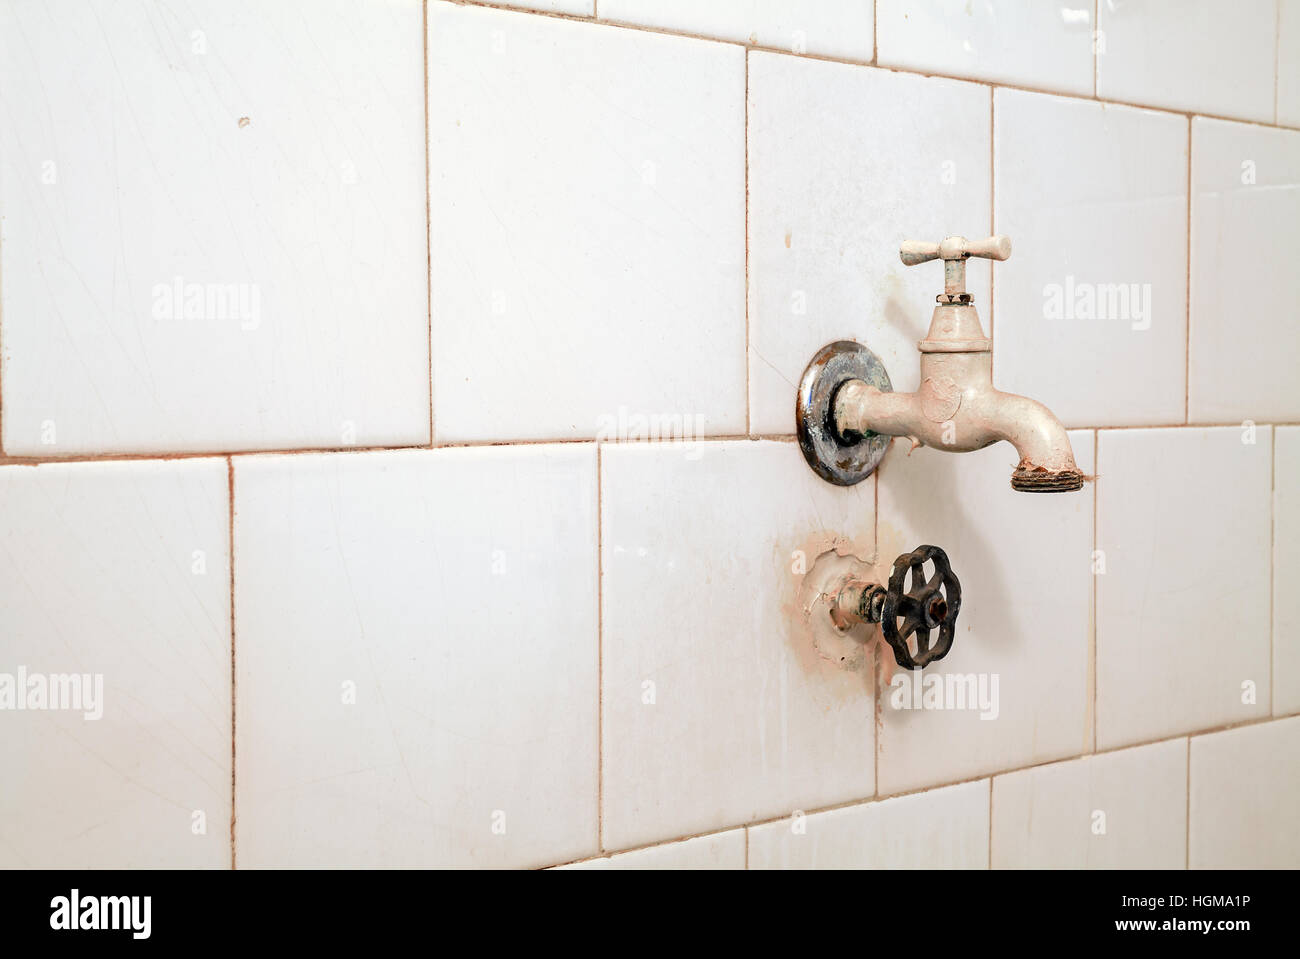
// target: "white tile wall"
[[417, 682], [1119, 810], [1194, 55], [609, 227], [1042, 45], [1243, 788], [1183, 606], [941, 829], [1024, 562], [717, 709], [829, 208], [832, 28], [722, 850], [1288, 63], [120, 570], [265, 159], [1245, 205], [1286, 570], [1090, 311], [589, 254]]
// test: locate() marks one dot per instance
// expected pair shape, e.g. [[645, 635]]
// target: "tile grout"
[[230, 508], [1187, 304], [162, 456], [600, 651], [428, 218]]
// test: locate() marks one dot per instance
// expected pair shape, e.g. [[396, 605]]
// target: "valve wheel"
[[912, 612]]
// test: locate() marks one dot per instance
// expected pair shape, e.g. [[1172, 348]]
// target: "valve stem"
[[858, 602]]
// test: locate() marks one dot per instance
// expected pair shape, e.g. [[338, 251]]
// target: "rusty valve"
[[908, 613]]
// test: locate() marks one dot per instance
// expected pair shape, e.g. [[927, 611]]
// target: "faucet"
[[846, 409]]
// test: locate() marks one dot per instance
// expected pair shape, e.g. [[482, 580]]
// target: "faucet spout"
[[957, 409]]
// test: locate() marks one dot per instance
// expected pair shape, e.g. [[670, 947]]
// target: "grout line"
[[990, 865], [1187, 303], [826, 58], [1096, 35], [866, 801], [1272, 572], [749, 397], [230, 507], [600, 652], [993, 217], [428, 220], [1092, 651], [1277, 60], [1187, 811], [36, 461], [747, 849], [875, 32]]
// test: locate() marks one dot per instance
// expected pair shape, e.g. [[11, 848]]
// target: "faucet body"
[[846, 405], [957, 408]]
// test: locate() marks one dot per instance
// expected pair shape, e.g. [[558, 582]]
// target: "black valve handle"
[[921, 608]]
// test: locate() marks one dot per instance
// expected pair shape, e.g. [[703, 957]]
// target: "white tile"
[[1024, 565], [831, 28], [466, 639], [121, 571], [1244, 784], [266, 159], [846, 162], [1288, 63], [722, 850], [1286, 570], [1200, 56], [1120, 810], [1245, 205], [588, 249], [1090, 312], [1182, 608], [1046, 45], [717, 708], [940, 829]]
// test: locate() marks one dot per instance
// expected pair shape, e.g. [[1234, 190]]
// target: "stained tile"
[[214, 234], [1245, 204], [1048, 46], [1118, 810], [1183, 605], [718, 709], [832, 28], [1194, 55], [589, 257], [1015, 683], [1243, 788], [1090, 312], [116, 609], [940, 829], [417, 681], [845, 163]]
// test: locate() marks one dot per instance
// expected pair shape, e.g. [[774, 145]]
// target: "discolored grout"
[[230, 507]]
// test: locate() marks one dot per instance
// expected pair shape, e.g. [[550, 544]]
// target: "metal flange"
[[840, 458]]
